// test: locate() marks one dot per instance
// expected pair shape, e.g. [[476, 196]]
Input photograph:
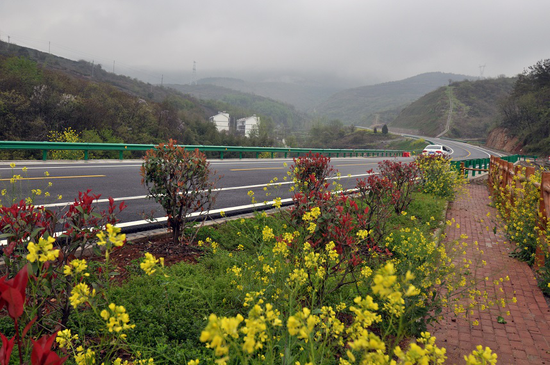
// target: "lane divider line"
[[54, 177], [247, 187]]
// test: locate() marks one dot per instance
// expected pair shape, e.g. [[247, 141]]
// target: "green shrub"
[[180, 181]]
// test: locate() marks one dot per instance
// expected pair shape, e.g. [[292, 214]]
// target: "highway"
[[122, 180]]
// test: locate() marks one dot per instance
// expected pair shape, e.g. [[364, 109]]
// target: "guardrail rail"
[[45, 147]]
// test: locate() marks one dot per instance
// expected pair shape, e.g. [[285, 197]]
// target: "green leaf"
[[501, 320]]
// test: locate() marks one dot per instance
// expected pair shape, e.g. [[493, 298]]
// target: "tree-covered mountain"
[[303, 94], [41, 94], [380, 103], [525, 114], [475, 108]]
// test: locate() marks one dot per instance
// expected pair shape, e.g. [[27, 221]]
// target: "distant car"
[[437, 150]]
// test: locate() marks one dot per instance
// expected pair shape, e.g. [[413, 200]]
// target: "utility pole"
[[92, 68], [194, 76], [481, 70]]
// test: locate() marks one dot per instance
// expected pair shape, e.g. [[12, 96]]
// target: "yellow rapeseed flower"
[[43, 251]]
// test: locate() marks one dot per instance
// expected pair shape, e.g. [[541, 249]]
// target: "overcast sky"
[[359, 42]]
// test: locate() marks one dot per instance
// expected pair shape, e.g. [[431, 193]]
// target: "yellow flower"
[[481, 356], [43, 251], [117, 319], [80, 294], [362, 234], [112, 236], [84, 357], [267, 234], [12, 165], [150, 263], [75, 267], [65, 337]]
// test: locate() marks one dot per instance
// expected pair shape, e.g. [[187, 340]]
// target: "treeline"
[[284, 116], [334, 134], [526, 112], [36, 101]]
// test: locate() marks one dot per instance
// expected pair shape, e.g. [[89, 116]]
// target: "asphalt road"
[[122, 181]]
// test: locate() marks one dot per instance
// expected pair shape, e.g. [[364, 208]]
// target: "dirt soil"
[[133, 251]]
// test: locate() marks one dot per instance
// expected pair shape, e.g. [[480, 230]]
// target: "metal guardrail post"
[[44, 155], [85, 155]]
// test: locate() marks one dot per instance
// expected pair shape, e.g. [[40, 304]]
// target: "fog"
[[344, 42]]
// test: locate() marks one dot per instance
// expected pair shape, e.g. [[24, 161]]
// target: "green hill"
[[525, 114], [475, 109], [304, 95], [41, 93], [380, 103], [283, 115]]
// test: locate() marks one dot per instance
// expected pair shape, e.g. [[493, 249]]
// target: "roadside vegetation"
[[519, 206], [337, 278]]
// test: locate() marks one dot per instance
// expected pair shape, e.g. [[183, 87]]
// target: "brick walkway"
[[525, 338]]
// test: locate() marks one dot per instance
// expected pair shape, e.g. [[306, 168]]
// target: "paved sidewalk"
[[525, 338]]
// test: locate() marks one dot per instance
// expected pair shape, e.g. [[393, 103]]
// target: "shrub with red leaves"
[[311, 172], [380, 196], [82, 222], [13, 298], [181, 182], [338, 219], [404, 177]]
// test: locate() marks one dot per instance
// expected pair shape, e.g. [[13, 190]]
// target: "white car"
[[437, 150]]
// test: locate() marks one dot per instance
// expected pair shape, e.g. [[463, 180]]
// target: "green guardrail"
[[121, 148], [483, 163]]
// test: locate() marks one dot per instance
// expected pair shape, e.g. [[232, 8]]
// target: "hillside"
[[525, 114], [42, 96], [380, 103], [283, 115], [475, 109], [304, 95], [238, 104]]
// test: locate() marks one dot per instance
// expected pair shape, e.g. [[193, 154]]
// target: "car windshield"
[[432, 147]]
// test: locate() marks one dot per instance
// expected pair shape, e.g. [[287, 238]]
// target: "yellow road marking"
[[469, 153], [54, 177], [258, 168]]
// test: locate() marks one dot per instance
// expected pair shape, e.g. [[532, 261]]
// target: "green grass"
[[170, 312]]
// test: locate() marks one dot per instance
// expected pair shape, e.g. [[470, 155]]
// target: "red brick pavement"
[[525, 338]]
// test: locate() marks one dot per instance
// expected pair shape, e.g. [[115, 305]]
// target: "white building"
[[221, 120], [246, 125]]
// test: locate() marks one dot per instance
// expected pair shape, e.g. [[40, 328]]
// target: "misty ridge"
[[325, 99], [290, 106]]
